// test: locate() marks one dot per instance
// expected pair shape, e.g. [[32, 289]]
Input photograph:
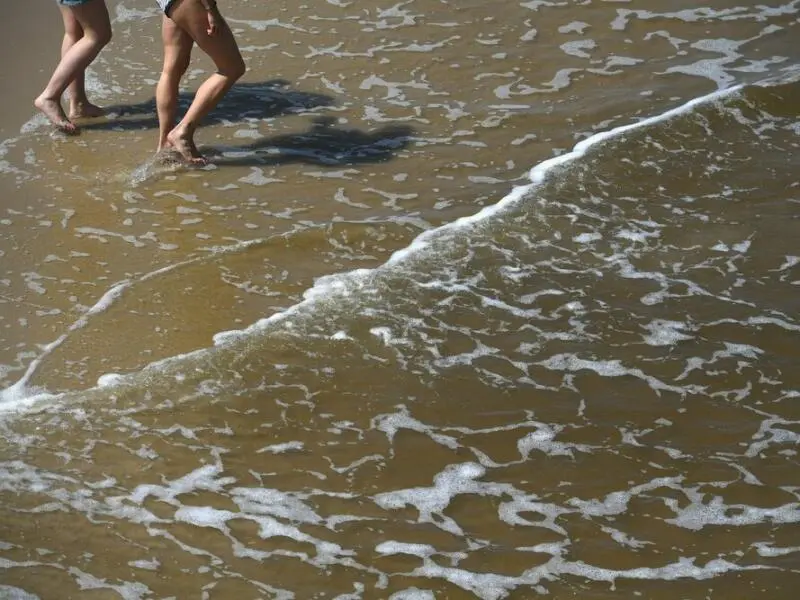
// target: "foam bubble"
[[666, 333], [9, 592], [413, 593]]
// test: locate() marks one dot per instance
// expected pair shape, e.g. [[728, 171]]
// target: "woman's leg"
[[221, 47], [79, 105], [177, 52], [93, 19]]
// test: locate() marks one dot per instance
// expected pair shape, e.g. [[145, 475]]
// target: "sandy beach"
[[27, 65], [474, 300]]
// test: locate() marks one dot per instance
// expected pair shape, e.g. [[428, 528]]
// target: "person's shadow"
[[257, 100], [322, 144]]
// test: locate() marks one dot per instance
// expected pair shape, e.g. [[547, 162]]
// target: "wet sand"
[[27, 64], [287, 375]]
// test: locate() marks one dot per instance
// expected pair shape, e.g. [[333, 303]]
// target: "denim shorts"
[[72, 2]]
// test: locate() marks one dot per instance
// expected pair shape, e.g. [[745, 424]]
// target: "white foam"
[[9, 592], [767, 550], [431, 502], [21, 396], [393, 547], [616, 503], [147, 565], [413, 594], [579, 48], [702, 512], [543, 439], [109, 380], [347, 284], [666, 333], [281, 448], [789, 262], [278, 504], [203, 478], [606, 368], [392, 423], [770, 432], [123, 14], [126, 590], [383, 333], [586, 238]]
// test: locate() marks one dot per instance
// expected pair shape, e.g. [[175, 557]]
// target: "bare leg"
[[221, 47], [79, 105], [93, 19], [177, 52]]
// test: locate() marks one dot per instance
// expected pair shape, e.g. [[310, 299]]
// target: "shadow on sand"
[[322, 144], [262, 100]]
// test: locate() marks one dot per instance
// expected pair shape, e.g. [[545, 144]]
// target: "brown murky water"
[[476, 300]]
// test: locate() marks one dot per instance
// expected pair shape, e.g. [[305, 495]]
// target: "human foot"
[[164, 145], [166, 153], [181, 141], [85, 110], [53, 111]]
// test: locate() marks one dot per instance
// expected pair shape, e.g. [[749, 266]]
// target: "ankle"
[[183, 130]]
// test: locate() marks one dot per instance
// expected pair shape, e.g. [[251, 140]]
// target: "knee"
[[73, 33], [102, 36], [105, 37], [173, 71], [235, 71]]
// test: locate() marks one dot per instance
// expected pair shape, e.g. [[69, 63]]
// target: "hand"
[[213, 22]]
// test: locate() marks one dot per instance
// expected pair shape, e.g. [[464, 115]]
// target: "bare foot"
[[53, 111], [85, 110], [181, 140], [164, 145], [167, 155]]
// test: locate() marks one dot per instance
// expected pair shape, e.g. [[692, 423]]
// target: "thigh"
[[221, 47], [177, 45], [93, 18], [71, 26]]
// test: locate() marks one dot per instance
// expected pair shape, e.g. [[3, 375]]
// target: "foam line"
[[329, 285], [540, 173], [20, 391]]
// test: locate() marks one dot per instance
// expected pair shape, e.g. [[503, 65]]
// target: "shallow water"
[[476, 300]]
